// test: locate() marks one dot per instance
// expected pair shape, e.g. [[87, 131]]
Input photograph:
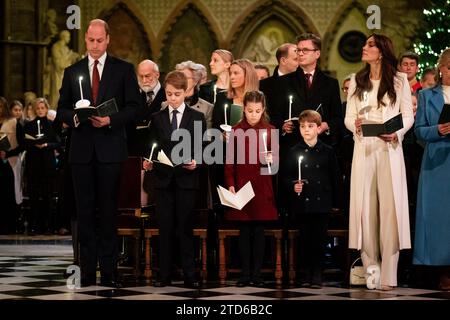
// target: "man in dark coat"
[[98, 148]]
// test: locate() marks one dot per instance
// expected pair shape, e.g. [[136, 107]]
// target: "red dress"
[[262, 206]]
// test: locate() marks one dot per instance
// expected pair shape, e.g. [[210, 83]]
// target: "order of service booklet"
[[374, 129], [236, 200], [107, 108], [445, 114]]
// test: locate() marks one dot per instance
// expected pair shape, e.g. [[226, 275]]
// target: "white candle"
[[39, 127], [225, 112], [264, 136], [290, 107], [300, 170], [81, 89], [151, 152], [215, 92]]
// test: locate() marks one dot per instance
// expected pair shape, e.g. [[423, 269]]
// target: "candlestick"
[[290, 107], [300, 170], [215, 92], [264, 136], [225, 111], [151, 152], [81, 88], [39, 128]]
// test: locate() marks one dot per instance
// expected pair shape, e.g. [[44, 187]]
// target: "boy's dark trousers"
[[311, 245]]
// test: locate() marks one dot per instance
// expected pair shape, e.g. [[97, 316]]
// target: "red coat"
[[262, 206]]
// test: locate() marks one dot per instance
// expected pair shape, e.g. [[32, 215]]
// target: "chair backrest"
[[129, 196]]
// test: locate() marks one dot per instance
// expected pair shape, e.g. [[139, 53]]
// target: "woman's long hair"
[[388, 71]]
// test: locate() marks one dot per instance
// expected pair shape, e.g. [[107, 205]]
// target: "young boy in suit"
[[313, 197], [176, 187]]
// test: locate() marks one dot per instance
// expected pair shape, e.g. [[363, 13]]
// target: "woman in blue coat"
[[432, 239]]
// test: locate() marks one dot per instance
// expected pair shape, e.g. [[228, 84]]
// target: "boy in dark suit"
[[176, 187], [311, 199]]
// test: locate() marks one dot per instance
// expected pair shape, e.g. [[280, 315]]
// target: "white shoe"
[[373, 277]]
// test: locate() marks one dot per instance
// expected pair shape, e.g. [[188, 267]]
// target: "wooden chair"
[[200, 230], [292, 252], [130, 217], [228, 231]]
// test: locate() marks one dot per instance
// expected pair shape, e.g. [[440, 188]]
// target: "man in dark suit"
[[310, 88], [287, 58], [98, 148], [176, 187], [152, 95]]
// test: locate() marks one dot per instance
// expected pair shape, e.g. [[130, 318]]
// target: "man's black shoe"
[[88, 281], [162, 283], [242, 283], [192, 284], [107, 281]]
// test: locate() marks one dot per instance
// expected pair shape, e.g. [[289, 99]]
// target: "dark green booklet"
[[107, 108], [236, 112], [372, 129], [445, 114]]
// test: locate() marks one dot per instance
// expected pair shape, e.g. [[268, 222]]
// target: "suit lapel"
[[186, 117], [166, 123], [107, 76]]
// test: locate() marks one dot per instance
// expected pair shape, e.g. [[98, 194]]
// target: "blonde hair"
[[225, 55], [37, 101], [251, 81], [443, 60]]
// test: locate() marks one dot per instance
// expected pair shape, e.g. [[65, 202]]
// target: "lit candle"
[[290, 107], [264, 136], [39, 127], [215, 92], [225, 112], [300, 170], [151, 152], [81, 89]]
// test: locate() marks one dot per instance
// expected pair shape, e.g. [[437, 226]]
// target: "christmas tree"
[[436, 35]]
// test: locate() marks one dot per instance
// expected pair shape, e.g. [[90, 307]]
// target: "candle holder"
[[226, 127], [83, 103]]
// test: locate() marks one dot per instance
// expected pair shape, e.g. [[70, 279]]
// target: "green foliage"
[[435, 36]]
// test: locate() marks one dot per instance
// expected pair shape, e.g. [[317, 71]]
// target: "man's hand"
[[388, 137], [147, 165], [288, 127], [231, 189], [99, 122], [191, 165], [323, 127], [41, 146]]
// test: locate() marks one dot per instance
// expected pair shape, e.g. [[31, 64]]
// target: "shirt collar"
[[180, 109], [101, 60]]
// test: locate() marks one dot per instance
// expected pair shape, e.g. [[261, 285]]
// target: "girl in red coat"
[[247, 139]]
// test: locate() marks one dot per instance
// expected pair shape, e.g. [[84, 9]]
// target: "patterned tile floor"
[[28, 272]]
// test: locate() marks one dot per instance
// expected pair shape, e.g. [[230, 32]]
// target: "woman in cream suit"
[[379, 217]]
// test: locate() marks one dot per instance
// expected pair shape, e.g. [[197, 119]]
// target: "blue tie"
[[174, 120]]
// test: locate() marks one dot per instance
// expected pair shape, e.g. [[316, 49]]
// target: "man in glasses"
[[310, 88]]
